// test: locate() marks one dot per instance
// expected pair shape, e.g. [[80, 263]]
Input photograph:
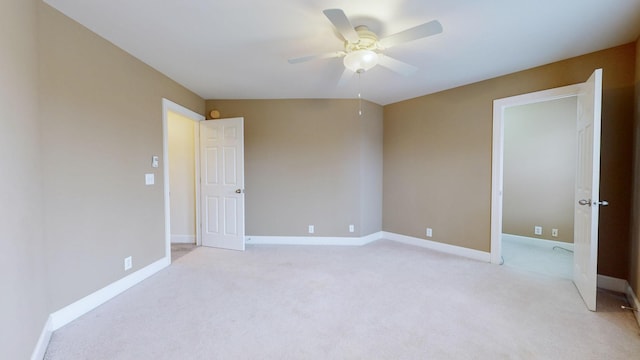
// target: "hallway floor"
[[540, 256]]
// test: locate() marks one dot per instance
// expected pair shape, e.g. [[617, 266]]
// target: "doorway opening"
[[539, 167], [587, 179], [181, 173], [501, 108]]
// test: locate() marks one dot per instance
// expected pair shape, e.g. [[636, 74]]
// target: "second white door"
[[587, 191], [222, 183]]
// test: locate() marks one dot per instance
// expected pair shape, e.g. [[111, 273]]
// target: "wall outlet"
[[352, 228], [128, 263], [311, 229], [537, 230], [554, 232], [429, 232]]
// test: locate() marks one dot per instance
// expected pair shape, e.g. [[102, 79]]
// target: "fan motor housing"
[[368, 40]]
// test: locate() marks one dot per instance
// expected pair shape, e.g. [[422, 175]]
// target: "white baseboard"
[[43, 341], [437, 246], [612, 284], [183, 239], [73, 311], [537, 241], [312, 240], [621, 286], [633, 302], [347, 241]]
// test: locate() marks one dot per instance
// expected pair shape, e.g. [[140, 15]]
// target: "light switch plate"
[[149, 179], [154, 161]]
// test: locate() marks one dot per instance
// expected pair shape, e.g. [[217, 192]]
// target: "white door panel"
[[222, 183], [587, 192]]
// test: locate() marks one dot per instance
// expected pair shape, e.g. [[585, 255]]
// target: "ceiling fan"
[[363, 50]]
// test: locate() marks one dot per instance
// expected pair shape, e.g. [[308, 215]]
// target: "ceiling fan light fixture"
[[360, 61]]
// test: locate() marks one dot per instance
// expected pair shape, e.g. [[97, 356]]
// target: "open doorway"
[[181, 191], [587, 181], [539, 179]]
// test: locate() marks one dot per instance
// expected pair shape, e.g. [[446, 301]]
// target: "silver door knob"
[[597, 203], [239, 191], [585, 202]]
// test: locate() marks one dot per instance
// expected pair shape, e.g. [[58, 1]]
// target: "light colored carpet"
[[545, 257], [180, 250], [380, 301]]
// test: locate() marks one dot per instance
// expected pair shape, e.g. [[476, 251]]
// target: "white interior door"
[[222, 183], [585, 258]]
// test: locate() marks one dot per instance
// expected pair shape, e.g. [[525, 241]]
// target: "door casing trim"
[[170, 106], [497, 153]]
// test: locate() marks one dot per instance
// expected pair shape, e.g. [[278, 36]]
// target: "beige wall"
[[99, 122], [310, 162], [102, 123], [437, 155], [24, 299], [539, 169], [182, 177], [634, 278], [370, 184]]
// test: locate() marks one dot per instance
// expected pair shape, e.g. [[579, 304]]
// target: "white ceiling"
[[238, 49]]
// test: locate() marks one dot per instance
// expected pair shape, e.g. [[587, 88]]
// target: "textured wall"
[[102, 122], [24, 300], [437, 155], [310, 162]]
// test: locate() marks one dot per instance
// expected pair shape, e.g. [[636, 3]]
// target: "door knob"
[[239, 191], [598, 203], [585, 202]]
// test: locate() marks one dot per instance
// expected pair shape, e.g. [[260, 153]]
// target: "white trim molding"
[[167, 106], [536, 241], [73, 311], [312, 240], [183, 239], [621, 286], [438, 246], [497, 154], [633, 301], [43, 341], [612, 284]]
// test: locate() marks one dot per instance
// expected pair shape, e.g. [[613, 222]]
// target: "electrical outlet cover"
[[537, 230]]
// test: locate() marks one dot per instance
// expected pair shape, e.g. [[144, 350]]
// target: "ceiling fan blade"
[[421, 31], [316, 57], [346, 76], [342, 24], [398, 66]]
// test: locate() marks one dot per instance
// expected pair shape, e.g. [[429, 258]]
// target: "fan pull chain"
[[359, 95]]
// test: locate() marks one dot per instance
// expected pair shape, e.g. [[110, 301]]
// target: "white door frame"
[[167, 106], [497, 161]]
